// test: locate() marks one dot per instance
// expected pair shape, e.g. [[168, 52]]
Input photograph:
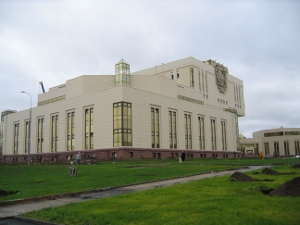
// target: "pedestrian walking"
[[78, 158]]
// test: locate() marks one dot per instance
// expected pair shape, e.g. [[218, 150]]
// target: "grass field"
[[209, 201], [32, 181]]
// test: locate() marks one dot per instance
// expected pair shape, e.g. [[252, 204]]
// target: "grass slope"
[[209, 201], [32, 181], [40, 180]]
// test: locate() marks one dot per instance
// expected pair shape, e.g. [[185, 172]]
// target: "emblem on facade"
[[221, 73]]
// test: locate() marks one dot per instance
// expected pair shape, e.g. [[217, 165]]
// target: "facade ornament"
[[221, 73]]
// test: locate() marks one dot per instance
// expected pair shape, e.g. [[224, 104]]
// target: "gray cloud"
[[58, 40]]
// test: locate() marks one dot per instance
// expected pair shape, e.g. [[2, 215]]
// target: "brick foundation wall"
[[122, 153]]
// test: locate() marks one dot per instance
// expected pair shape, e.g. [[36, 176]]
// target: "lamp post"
[[29, 127]]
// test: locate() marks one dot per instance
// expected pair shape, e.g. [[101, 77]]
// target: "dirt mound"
[[238, 176], [291, 187], [269, 171], [4, 193], [296, 165]]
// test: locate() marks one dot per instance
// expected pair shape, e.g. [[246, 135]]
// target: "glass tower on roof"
[[122, 73]]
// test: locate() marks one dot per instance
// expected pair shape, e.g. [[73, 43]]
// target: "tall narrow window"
[[70, 131], [173, 129], [201, 132], [224, 135], [297, 148], [213, 134], [267, 149], [89, 128], [199, 78], [16, 137], [239, 94], [26, 136], [155, 139], [203, 88], [206, 83], [237, 133], [122, 128], [286, 148], [234, 92], [192, 77], [276, 148], [54, 133], [188, 131], [40, 135]]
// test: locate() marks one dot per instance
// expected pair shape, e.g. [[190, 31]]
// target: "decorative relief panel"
[[221, 75]]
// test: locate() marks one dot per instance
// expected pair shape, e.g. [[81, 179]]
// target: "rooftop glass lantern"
[[122, 73]]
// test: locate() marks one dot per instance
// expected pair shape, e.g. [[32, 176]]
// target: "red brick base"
[[121, 153]]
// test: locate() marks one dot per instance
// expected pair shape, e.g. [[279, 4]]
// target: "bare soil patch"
[[4, 193], [297, 165], [269, 171], [289, 188], [238, 176]]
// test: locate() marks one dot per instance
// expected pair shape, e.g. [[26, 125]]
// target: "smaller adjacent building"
[[282, 142]]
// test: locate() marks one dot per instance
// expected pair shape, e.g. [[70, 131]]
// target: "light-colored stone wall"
[[156, 88]]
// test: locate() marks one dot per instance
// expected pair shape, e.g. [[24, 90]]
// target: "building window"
[[234, 93], [16, 137], [40, 135], [201, 132], [155, 143], [26, 136], [206, 83], [192, 77], [188, 131], [297, 148], [89, 128], [130, 154], [173, 129], [240, 101], [213, 134], [286, 148], [276, 149], [122, 127], [203, 88], [70, 131], [54, 133], [199, 78], [224, 135], [267, 149]]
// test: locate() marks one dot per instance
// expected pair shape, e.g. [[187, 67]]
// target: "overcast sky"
[[56, 40]]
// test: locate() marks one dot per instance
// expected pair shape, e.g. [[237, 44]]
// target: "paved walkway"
[[12, 210]]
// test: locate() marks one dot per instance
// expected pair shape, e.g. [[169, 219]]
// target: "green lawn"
[[42, 180], [209, 201], [33, 181]]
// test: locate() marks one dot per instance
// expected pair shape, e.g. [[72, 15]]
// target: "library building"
[[185, 106]]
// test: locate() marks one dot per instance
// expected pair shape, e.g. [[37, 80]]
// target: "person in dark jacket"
[[182, 156]]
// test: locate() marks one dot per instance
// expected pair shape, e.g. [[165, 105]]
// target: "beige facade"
[[283, 142], [182, 105]]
